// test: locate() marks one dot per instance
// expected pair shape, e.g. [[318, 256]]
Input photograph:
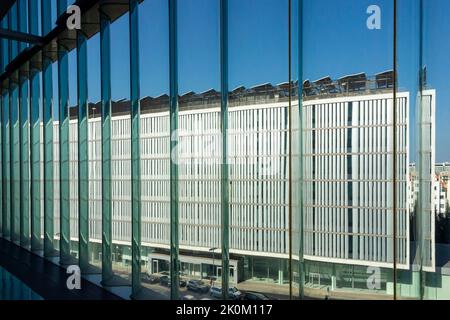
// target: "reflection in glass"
[[258, 146], [291, 142], [199, 147], [155, 134], [347, 151], [121, 148]]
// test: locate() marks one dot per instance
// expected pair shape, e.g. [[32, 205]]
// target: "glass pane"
[[199, 147], [258, 149], [24, 109], [22, 11], [56, 164], [94, 151], [73, 147], [347, 149], [14, 26], [54, 4], [409, 253], [155, 135], [121, 147], [6, 162], [433, 150], [15, 158], [296, 136]]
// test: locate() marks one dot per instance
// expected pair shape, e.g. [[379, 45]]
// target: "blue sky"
[[437, 60], [336, 42]]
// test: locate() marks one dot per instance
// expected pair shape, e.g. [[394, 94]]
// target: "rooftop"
[[325, 87]]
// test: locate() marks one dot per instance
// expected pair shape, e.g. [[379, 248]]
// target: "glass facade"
[[178, 149]]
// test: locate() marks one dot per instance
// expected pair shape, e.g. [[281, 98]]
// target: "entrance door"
[[155, 266], [232, 275]]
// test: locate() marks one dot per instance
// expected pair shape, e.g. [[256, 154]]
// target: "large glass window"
[[94, 151], [258, 151], [422, 73], [293, 148], [155, 147], [121, 147], [198, 152], [73, 150], [348, 238]]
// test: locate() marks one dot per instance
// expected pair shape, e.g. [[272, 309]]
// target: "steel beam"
[[105, 56], [135, 150], [47, 89], [174, 108], [83, 157], [225, 180]]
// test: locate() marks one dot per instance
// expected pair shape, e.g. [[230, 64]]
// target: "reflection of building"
[[348, 179], [349, 173], [438, 196], [258, 153], [441, 188], [348, 157]]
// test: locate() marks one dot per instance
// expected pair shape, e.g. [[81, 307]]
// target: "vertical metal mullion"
[[35, 158], [1, 156], [4, 61], [290, 175], [23, 135], [2, 67], [301, 263], [64, 152], [47, 89], [135, 149], [394, 156], [15, 158], [14, 129], [420, 206], [225, 180], [48, 156], [24, 162], [83, 164], [6, 167], [64, 149], [105, 56], [174, 243]]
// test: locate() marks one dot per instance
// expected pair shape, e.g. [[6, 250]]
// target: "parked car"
[[233, 293], [215, 292], [250, 295], [165, 281], [197, 286], [188, 297], [183, 283], [150, 278]]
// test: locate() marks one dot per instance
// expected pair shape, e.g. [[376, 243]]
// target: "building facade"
[[348, 179]]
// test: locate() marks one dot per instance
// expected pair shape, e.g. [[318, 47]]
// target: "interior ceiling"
[[4, 7]]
